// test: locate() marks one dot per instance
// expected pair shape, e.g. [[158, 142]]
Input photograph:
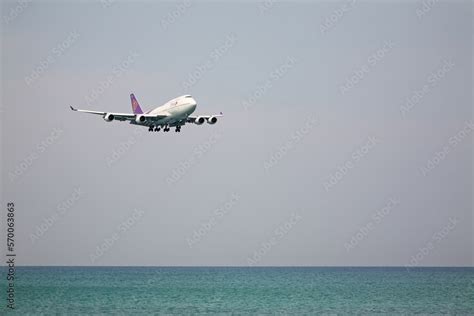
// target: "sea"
[[240, 291]]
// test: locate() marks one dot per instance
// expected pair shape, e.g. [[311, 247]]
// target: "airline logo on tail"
[[135, 106]]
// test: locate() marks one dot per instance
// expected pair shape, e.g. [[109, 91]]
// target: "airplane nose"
[[191, 107]]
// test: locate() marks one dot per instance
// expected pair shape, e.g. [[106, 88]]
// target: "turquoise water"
[[153, 290]]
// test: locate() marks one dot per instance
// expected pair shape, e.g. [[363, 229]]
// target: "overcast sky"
[[346, 140]]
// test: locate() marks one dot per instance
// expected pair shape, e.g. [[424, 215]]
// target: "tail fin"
[[135, 106]]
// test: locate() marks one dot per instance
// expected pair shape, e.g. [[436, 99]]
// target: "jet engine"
[[140, 119], [109, 117], [212, 120], [199, 120]]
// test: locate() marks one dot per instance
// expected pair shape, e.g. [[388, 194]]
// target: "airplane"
[[174, 113]]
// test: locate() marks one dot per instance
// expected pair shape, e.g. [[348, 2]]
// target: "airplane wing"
[[115, 116], [109, 116]]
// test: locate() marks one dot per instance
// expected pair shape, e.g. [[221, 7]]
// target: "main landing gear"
[[166, 128]]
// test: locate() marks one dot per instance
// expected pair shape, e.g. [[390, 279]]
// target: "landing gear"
[[166, 128]]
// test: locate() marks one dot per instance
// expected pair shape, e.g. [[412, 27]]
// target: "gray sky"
[[347, 136]]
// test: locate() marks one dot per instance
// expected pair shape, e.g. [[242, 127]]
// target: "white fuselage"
[[177, 109]]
